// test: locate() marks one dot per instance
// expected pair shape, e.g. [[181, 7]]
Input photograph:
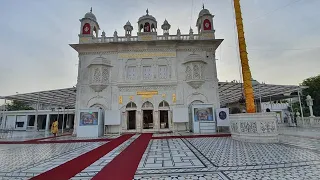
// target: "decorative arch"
[[207, 25], [86, 29], [99, 100], [95, 31], [164, 105], [100, 106], [147, 105], [141, 27], [197, 102], [131, 105], [196, 97], [153, 29]]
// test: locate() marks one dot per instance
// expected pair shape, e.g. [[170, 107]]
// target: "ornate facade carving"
[[147, 88], [267, 127], [195, 70], [248, 127], [99, 70], [255, 127], [138, 49]]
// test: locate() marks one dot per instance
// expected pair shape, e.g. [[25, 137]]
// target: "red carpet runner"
[[71, 168], [124, 166]]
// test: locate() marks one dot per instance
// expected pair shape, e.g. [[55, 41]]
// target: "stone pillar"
[[47, 122], [156, 123], [170, 119], [124, 121], [139, 122], [70, 120], [310, 104]]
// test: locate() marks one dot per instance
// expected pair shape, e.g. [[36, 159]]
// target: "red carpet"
[[71, 168], [124, 166], [193, 136]]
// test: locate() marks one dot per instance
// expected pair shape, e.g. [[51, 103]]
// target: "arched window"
[[207, 25], [147, 104], [141, 27], [95, 31], [153, 29], [146, 27], [86, 28], [131, 105], [163, 104]]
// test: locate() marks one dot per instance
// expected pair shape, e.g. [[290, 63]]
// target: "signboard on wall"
[[88, 118], [203, 114], [223, 117]]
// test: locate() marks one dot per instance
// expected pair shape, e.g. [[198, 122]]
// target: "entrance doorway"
[[147, 119], [164, 110], [131, 119], [164, 121]]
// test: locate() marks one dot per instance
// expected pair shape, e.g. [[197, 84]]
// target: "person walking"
[[54, 128]]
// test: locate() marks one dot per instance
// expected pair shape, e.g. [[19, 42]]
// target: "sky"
[[283, 38]]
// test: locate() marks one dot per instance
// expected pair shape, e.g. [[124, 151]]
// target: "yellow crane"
[[246, 73]]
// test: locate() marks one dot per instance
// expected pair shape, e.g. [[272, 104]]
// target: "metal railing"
[[135, 38]]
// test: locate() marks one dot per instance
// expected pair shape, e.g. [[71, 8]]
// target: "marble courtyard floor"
[[161, 156]]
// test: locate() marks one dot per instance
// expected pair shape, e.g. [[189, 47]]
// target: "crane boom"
[[246, 73]]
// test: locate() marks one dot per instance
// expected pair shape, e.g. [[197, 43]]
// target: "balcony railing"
[[135, 38]]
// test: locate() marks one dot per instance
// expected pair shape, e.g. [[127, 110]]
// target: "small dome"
[[165, 25], [90, 15], [204, 12], [147, 16], [128, 24]]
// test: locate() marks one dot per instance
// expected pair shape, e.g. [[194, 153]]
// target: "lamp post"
[[309, 101]]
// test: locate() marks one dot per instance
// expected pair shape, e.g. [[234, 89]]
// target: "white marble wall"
[[120, 85]]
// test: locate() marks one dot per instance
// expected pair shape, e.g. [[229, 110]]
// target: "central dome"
[[204, 12], [147, 17], [90, 15]]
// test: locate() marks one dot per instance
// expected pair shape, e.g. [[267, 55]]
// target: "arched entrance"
[[147, 114], [131, 109], [164, 114]]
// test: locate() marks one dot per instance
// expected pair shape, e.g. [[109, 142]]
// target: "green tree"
[[17, 106], [314, 91]]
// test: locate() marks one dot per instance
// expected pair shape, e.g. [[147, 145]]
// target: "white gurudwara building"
[[144, 79]]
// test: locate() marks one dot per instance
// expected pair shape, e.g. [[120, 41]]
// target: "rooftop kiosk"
[[91, 123]]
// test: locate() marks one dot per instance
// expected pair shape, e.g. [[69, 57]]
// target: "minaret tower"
[[89, 27], [205, 24], [147, 27], [128, 29]]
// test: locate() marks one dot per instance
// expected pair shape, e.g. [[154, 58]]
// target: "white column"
[[47, 122], [169, 120], [124, 120], [36, 116], [63, 119], [156, 123], [300, 105], [139, 121]]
